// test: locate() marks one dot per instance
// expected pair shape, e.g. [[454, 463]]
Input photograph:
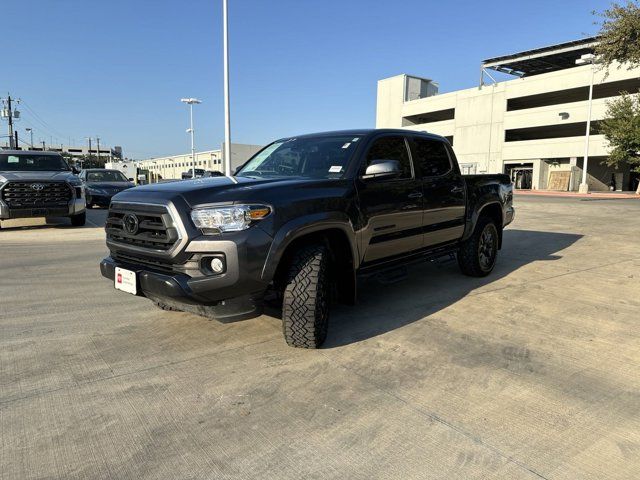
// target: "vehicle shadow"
[[433, 286]]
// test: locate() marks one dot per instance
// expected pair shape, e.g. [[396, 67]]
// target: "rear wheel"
[[79, 220], [477, 255], [305, 302]]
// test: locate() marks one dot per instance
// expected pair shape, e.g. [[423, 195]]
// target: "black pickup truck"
[[301, 219], [39, 184]]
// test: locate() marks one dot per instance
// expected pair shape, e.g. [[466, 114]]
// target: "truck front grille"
[[36, 194], [145, 226]]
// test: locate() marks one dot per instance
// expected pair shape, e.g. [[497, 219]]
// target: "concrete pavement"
[[530, 373]]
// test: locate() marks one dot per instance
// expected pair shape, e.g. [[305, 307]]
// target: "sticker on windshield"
[[12, 159], [346, 145], [335, 169]]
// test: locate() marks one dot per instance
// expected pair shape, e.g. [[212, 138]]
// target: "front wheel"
[[477, 255], [79, 220], [305, 301]]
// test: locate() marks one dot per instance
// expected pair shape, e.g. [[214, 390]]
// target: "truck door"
[[391, 207], [444, 191]]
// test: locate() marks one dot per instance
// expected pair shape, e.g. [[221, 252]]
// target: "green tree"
[[619, 36], [622, 130], [619, 44]]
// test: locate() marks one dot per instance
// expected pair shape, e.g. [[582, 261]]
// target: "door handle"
[[457, 190], [415, 195]]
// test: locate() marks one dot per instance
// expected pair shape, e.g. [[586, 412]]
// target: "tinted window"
[[106, 176], [432, 157], [391, 148], [32, 162], [314, 157]]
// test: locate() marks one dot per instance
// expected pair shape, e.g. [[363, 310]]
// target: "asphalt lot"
[[530, 373]]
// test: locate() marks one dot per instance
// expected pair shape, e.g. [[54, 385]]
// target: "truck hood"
[[38, 176], [223, 189]]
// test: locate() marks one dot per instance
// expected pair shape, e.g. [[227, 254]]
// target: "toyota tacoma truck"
[[39, 184], [300, 221]]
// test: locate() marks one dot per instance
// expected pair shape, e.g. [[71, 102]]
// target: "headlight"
[[228, 219]]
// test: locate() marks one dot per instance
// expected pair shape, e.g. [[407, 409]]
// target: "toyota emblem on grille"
[[38, 187], [130, 223]]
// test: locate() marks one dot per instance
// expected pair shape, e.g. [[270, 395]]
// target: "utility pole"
[[43, 147], [17, 146], [30, 130], [98, 149], [9, 115], [89, 152]]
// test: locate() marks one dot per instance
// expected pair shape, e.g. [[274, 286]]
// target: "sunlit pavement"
[[530, 373]]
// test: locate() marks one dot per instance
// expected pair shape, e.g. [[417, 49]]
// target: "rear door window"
[[431, 156]]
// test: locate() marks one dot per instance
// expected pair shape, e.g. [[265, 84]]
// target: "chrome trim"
[[177, 220]]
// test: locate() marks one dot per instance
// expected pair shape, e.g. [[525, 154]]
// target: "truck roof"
[[369, 131], [38, 152]]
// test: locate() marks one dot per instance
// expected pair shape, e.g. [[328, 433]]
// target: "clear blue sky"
[[118, 68]]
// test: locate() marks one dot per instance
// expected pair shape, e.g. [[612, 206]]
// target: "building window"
[[562, 130], [571, 95], [429, 117]]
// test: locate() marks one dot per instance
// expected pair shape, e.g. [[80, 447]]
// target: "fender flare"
[[305, 225], [475, 214]]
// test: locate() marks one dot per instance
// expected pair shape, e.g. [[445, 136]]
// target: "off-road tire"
[[472, 254], [306, 298], [166, 308], [79, 220]]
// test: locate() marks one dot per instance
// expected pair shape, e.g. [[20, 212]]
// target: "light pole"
[[587, 59], [30, 131], [191, 102], [227, 112]]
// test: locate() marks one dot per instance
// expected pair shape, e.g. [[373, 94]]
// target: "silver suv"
[[39, 184]]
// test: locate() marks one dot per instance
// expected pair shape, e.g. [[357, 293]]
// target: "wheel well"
[[494, 211], [342, 261]]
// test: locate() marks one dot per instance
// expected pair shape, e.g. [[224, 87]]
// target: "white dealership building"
[[532, 127], [172, 167]]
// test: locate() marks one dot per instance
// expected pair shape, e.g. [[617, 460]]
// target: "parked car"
[[302, 218], [189, 173], [212, 173], [39, 184], [102, 184]]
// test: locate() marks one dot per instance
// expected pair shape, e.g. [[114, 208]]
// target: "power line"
[[55, 132]]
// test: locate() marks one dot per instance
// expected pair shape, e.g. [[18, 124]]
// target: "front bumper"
[[234, 294]]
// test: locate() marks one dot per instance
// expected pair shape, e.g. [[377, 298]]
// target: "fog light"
[[217, 265]]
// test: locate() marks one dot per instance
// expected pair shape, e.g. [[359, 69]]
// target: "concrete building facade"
[[75, 151], [532, 127], [172, 167]]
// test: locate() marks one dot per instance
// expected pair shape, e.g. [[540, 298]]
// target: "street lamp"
[[191, 102], [587, 59], [30, 131]]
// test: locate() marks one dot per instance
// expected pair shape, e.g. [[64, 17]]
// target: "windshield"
[[106, 176], [314, 157], [32, 162]]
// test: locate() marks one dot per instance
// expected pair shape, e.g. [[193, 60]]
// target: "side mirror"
[[75, 170], [382, 169], [130, 179]]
